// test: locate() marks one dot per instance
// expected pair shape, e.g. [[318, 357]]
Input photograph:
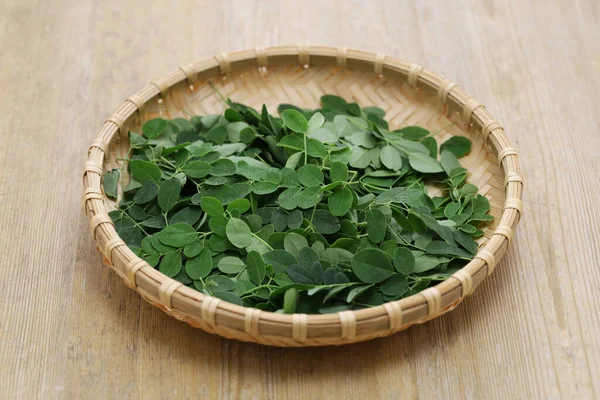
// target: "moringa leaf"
[[168, 194], [144, 171], [110, 182], [340, 201], [460, 146], [256, 267], [372, 266], [295, 121], [238, 233], [310, 175], [177, 235]]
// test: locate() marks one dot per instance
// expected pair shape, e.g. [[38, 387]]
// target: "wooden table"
[[69, 328]]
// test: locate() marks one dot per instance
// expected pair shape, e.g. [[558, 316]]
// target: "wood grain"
[[69, 328]]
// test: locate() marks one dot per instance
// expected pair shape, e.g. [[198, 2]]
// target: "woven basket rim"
[[474, 114]]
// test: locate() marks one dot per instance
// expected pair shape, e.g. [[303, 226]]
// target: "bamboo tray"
[[299, 75]]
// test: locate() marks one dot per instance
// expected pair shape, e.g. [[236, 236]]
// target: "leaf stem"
[[262, 241]]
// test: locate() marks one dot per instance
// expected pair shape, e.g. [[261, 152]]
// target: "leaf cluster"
[[314, 211]]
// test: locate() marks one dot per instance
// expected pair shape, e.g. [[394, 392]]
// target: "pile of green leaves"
[[315, 211]]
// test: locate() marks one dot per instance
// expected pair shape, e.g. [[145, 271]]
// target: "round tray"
[[299, 75]]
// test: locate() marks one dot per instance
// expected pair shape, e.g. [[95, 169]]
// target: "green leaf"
[[212, 206], [332, 102], [231, 265], [264, 187], [294, 219], [372, 266], [426, 263], [466, 242], [310, 175], [288, 199], [256, 267], [168, 194], [229, 297], [248, 134], [324, 135], [375, 111], [376, 225], [128, 231], [177, 235], [290, 299], [468, 189], [215, 181], [293, 243], [306, 274], [481, 205], [340, 201], [189, 214], [157, 221], [438, 247], [338, 172], [336, 290], [257, 245], [424, 163], [399, 195], [217, 134], [255, 222], [458, 145], [146, 193], [144, 171], [238, 233], [279, 220], [192, 250], [200, 266], [291, 142], [307, 256], [431, 145], [242, 205], [480, 218], [154, 127], [364, 139], [397, 285], [325, 223], [242, 189], [252, 172], [316, 121], [449, 161], [218, 225], [170, 264], [132, 185], [443, 231], [315, 148], [360, 158], [391, 158], [220, 283], [279, 259], [404, 261], [292, 161], [136, 140], [295, 121], [467, 228], [451, 209], [356, 292], [309, 197], [111, 183], [413, 132], [223, 167], [273, 175], [197, 169], [224, 193]]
